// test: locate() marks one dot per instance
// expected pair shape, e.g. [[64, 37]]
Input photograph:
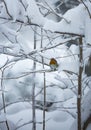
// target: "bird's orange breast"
[[53, 61]]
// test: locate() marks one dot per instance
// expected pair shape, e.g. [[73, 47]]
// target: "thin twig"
[[7, 37], [86, 8], [56, 13], [7, 9], [68, 33], [27, 73], [25, 7]]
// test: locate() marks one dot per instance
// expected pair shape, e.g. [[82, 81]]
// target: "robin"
[[53, 64]]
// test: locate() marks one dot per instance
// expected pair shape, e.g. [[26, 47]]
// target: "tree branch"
[[7, 9], [68, 33], [86, 8]]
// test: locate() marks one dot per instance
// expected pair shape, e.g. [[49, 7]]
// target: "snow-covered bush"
[[31, 33]]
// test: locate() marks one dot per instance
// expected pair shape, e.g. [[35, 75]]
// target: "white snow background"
[[19, 113]]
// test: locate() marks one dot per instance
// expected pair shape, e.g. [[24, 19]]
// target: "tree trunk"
[[79, 96], [3, 99], [44, 103], [33, 89]]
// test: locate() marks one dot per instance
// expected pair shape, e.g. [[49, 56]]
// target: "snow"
[[76, 20], [34, 14], [17, 38], [74, 125], [60, 116], [10, 124], [89, 127], [53, 119], [24, 44], [16, 10], [3, 60], [13, 109], [86, 108], [72, 16], [79, 22], [68, 94], [87, 30], [2, 117]]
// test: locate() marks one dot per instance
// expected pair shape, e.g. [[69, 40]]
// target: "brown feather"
[[53, 61]]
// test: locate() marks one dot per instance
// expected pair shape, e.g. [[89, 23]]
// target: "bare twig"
[[7, 9], [3, 97], [4, 64], [70, 72], [7, 38], [22, 125], [74, 116], [52, 46], [25, 7], [53, 11], [27, 73], [72, 84], [86, 8], [68, 33], [19, 28]]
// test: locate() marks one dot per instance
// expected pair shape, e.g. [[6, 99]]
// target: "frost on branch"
[[74, 21], [79, 22], [14, 9], [25, 11], [33, 13]]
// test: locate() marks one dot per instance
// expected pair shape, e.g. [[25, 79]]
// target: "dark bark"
[[80, 84], [86, 123], [33, 89]]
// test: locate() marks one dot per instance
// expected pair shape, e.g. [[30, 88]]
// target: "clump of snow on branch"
[[86, 107], [79, 22], [16, 9], [76, 20], [71, 15], [34, 14]]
